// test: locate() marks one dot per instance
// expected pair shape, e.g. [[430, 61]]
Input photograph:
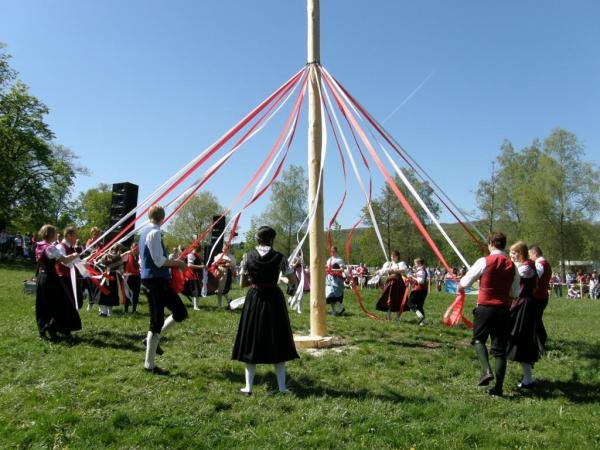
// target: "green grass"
[[390, 386]]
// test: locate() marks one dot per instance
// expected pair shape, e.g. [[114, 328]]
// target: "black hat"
[[265, 235]]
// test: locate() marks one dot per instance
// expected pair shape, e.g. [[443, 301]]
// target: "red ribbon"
[[454, 314], [217, 146], [384, 134]]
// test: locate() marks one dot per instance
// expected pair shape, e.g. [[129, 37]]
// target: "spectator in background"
[[573, 292], [18, 245], [3, 243], [594, 285], [557, 284]]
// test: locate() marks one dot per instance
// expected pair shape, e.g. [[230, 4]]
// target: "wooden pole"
[[318, 322]]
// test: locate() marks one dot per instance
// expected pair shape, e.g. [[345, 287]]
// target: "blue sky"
[[138, 88]]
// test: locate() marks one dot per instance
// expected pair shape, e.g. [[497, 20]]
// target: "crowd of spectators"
[[17, 245]]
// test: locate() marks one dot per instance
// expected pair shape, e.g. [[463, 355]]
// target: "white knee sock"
[[527, 377], [151, 344], [109, 310], [420, 315], [280, 372], [195, 299], [249, 372], [169, 322]]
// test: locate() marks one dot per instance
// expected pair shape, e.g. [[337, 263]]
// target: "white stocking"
[[151, 345], [280, 372], [249, 374]]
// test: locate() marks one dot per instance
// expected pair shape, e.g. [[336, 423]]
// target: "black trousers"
[[161, 296], [134, 283], [493, 322], [416, 301]]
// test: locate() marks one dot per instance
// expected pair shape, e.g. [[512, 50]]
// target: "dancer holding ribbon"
[[156, 277], [498, 282], [393, 291], [54, 310], [416, 300], [68, 275], [523, 338], [264, 334]]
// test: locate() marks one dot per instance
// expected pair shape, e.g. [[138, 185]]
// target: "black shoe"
[[485, 379], [525, 386], [495, 392], [159, 350], [157, 371]]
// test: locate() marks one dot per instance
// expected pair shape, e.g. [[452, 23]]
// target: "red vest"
[[425, 285], [131, 266], [61, 269], [496, 281], [541, 291]]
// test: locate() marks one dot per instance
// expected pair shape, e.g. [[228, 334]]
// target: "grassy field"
[[390, 386]]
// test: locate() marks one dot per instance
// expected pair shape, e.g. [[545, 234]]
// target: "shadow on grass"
[[575, 391], [307, 387], [110, 339]]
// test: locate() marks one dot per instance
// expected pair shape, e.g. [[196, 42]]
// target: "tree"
[[37, 174], [287, 207], [397, 228], [194, 218], [92, 209], [565, 195], [546, 194]]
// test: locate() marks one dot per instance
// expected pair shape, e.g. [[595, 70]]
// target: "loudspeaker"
[[214, 238], [124, 199]]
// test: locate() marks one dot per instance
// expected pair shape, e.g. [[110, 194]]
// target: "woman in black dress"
[[393, 291], [524, 345], [264, 334], [54, 310]]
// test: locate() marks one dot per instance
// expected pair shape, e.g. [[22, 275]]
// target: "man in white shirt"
[[154, 268]]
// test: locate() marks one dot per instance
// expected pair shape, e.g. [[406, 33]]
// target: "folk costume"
[[416, 300], [227, 268], [65, 273], [55, 311], [112, 264], [498, 282], [393, 290], [524, 345], [541, 295], [264, 333], [131, 276], [156, 281], [193, 284], [334, 290]]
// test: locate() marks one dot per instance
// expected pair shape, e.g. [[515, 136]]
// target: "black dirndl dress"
[[54, 308], [524, 344], [264, 334], [393, 293]]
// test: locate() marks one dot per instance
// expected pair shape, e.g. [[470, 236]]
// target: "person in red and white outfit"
[[416, 301], [542, 290], [67, 247], [131, 275], [498, 284], [523, 341]]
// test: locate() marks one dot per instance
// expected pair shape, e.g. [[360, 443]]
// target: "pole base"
[[303, 342]]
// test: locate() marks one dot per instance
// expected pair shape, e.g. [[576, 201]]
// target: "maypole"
[[318, 323]]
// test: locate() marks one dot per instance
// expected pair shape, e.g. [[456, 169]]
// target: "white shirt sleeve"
[[52, 252], [153, 242], [61, 249], [473, 274], [421, 277], [539, 269], [516, 285], [525, 271], [191, 259]]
